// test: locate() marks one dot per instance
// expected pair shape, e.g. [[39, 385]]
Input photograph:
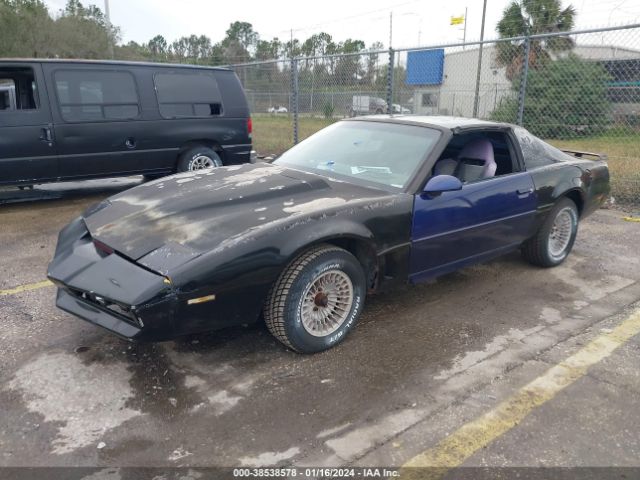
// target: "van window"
[[96, 95], [18, 89], [187, 94]]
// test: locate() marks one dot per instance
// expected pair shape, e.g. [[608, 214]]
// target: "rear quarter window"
[[187, 94], [536, 152]]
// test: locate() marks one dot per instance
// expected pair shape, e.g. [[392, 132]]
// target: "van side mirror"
[[442, 183]]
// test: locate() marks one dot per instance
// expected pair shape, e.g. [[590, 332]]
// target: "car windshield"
[[383, 153]]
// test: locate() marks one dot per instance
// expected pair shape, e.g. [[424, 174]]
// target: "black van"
[[78, 119]]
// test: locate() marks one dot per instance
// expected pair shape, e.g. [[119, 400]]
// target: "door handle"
[[130, 142], [524, 191], [45, 135]]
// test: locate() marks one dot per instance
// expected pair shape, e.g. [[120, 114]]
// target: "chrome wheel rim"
[[561, 232], [326, 303], [201, 161]]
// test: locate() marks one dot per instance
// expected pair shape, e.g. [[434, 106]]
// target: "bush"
[[327, 110], [565, 98]]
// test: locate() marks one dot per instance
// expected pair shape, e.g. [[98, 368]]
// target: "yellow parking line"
[[25, 288], [477, 434]]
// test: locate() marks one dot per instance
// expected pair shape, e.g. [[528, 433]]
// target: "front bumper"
[[98, 316], [109, 290]]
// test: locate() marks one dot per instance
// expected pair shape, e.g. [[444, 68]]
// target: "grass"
[[274, 134]]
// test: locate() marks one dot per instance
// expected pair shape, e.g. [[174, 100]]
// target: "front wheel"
[[198, 158], [553, 242], [316, 300]]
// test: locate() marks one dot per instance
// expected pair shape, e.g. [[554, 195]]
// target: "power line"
[[349, 17]]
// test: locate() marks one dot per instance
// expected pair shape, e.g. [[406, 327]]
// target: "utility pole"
[[476, 97], [464, 31], [107, 16]]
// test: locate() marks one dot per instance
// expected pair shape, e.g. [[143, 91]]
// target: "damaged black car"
[[364, 205]]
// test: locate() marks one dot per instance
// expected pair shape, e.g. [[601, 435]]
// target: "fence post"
[[390, 82], [523, 80], [294, 97]]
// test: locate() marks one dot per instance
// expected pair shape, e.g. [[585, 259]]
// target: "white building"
[[455, 95]]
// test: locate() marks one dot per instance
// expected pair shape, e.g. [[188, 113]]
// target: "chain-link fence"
[[577, 90]]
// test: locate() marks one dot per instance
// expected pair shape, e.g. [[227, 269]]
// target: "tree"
[[25, 29], [268, 49], [158, 47], [132, 51], [179, 49], [83, 32], [348, 69], [373, 62], [566, 98], [240, 42], [530, 17]]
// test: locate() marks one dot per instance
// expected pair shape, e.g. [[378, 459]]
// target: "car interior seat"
[[474, 162]]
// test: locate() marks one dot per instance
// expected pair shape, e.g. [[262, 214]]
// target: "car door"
[[28, 150], [97, 116], [483, 219]]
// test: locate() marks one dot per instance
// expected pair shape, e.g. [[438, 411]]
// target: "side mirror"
[[442, 183]]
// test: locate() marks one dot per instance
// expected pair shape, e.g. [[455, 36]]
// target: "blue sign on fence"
[[425, 67]]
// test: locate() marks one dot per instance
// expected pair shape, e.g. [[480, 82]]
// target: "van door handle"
[[130, 142], [45, 135]]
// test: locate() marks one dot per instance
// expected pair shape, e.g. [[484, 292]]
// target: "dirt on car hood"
[[164, 223]]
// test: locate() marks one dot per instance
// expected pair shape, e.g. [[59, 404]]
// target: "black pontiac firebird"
[[361, 206]]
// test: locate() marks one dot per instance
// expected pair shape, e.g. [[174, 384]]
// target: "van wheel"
[[316, 300], [198, 158]]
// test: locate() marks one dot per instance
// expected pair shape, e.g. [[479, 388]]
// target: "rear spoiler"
[[579, 154]]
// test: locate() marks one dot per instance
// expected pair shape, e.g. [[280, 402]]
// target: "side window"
[[477, 156], [18, 89], [183, 95], [96, 95]]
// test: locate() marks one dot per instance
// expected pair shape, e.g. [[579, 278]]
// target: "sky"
[[415, 22]]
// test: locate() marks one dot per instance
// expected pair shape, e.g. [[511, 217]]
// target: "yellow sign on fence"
[[457, 20]]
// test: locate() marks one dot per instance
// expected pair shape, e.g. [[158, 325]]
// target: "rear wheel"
[[198, 158], [553, 242], [317, 300]]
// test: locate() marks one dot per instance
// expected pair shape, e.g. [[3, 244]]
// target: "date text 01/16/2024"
[[319, 472]]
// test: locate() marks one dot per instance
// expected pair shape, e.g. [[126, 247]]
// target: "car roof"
[[438, 121], [108, 62]]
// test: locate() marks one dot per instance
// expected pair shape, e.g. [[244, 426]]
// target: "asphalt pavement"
[[426, 375]]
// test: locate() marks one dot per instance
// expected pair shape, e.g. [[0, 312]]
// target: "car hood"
[[164, 223]]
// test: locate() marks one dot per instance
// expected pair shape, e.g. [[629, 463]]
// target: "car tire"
[[554, 240], [301, 315], [198, 158]]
